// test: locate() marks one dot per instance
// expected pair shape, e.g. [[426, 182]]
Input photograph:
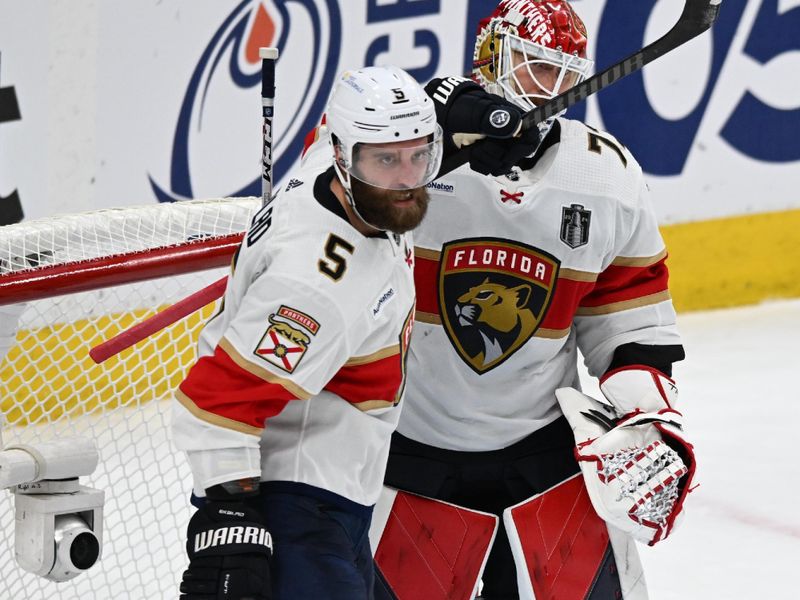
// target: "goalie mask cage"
[[120, 266]]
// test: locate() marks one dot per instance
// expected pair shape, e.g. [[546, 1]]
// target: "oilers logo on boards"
[[221, 108], [493, 295], [283, 344]]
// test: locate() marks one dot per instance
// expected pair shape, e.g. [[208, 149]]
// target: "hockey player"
[[287, 415], [515, 273]]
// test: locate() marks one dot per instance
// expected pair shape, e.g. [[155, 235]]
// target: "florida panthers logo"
[[493, 295]]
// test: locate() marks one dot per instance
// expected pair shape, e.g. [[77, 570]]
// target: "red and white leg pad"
[[430, 549], [560, 546]]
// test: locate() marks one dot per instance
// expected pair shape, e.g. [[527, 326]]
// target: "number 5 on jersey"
[[335, 264]]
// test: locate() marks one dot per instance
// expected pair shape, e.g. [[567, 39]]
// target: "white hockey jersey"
[[513, 272], [300, 375]]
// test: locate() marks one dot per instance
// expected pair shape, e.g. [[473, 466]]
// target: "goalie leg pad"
[[563, 549], [430, 549]]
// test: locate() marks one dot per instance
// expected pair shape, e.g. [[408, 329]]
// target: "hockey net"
[[119, 267]]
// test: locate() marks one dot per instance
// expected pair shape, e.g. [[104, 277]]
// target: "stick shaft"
[[269, 57], [165, 318]]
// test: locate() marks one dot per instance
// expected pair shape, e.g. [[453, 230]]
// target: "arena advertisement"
[[122, 103]]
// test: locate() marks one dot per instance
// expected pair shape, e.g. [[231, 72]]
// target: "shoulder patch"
[[283, 345]]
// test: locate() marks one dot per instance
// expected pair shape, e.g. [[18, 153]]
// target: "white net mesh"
[[50, 387]]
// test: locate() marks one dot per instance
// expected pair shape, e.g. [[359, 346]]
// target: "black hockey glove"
[[467, 113], [229, 550]]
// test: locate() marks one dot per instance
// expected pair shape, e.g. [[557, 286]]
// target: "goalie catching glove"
[[637, 465], [467, 114], [229, 550]]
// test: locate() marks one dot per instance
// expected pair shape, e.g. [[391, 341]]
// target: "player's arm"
[[628, 317], [627, 333], [284, 343]]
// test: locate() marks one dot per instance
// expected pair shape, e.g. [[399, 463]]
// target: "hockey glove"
[[467, 114], [637, 465], [229, 550]]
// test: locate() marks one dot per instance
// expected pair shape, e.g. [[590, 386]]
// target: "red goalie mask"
[[530, 51]]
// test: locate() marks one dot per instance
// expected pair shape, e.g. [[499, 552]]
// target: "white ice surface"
[[740, 539]]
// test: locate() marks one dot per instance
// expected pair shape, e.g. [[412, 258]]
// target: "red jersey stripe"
[[378, 380], [622, 284], [219, 386], [426, 272]]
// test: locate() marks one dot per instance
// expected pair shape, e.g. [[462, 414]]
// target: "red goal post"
[[79, 280]]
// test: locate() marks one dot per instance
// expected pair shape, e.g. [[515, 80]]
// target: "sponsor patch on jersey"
[[575, 220], [284, 345], [493, 295], [442, 187], [384, 299]]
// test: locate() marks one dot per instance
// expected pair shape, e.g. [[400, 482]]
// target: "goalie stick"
[[208, 294], [697, 17]]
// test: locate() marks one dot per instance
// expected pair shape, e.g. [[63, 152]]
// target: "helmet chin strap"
[[348, 192]]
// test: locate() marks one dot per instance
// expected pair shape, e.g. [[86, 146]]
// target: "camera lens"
[[84, 550]]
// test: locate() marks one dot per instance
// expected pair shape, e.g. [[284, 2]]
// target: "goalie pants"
[[487, 481], [321, 543]]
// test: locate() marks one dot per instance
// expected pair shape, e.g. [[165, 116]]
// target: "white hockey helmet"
[[381, 106], [529, 51]]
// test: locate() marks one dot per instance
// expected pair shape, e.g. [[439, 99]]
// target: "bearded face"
[[397, 211]]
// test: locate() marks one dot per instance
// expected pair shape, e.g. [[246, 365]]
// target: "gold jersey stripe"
[[638, 261], [375, 356], [575, 275], [214, 419], [427, 254], [605, 309], [372, 404], [426, 317], [552, 334], [262, 373]]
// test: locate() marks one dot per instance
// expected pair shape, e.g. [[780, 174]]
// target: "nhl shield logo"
[[575, 221], [493, 296], [283, 345]]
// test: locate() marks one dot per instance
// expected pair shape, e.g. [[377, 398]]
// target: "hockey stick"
[[697, 16], [183, 308], [268, 58]]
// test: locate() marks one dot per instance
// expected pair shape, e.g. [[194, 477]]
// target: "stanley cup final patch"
[[575, 221], [493, 295], [287, 338]]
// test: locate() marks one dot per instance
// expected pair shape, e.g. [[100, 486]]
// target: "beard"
[[377, 206]]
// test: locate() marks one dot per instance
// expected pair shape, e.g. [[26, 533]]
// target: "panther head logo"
[[500, 315], [493, 295]]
